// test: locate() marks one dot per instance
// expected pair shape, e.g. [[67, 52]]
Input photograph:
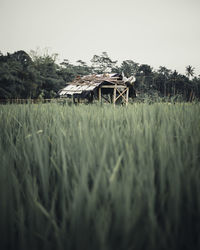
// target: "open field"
[[92, 177]]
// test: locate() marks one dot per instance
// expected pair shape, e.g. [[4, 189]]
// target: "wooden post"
[[100, 94], [74, 100], [114, 95], [127, 93]]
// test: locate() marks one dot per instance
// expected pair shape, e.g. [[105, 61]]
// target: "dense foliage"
[[39, 76], [93, 177]]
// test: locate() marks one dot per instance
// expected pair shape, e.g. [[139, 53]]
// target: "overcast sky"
[[155, 32]]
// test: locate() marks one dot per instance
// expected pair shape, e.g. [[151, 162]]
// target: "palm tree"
[[166, 73], [189, 71], [174, 77]]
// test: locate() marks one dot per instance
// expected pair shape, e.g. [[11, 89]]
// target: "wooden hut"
[[110, 87]]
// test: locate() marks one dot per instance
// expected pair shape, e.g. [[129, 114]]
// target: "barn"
[[109, 86]]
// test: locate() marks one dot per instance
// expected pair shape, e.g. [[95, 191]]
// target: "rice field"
[[93, 177]]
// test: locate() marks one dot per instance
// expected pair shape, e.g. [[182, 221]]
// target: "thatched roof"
[[90, 83]]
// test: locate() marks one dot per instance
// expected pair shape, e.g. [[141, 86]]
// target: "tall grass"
[[99, 178]]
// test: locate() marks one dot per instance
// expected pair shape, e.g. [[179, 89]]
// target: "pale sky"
[[155, 32]]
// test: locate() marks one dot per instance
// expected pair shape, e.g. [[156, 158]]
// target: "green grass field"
[[92, 177]]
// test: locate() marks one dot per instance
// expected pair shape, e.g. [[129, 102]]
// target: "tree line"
[[31, 75]]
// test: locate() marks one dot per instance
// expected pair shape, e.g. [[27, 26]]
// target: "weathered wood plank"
[[121, 94], [114, 95], [100, 94], [113, 86], [127, 93]]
